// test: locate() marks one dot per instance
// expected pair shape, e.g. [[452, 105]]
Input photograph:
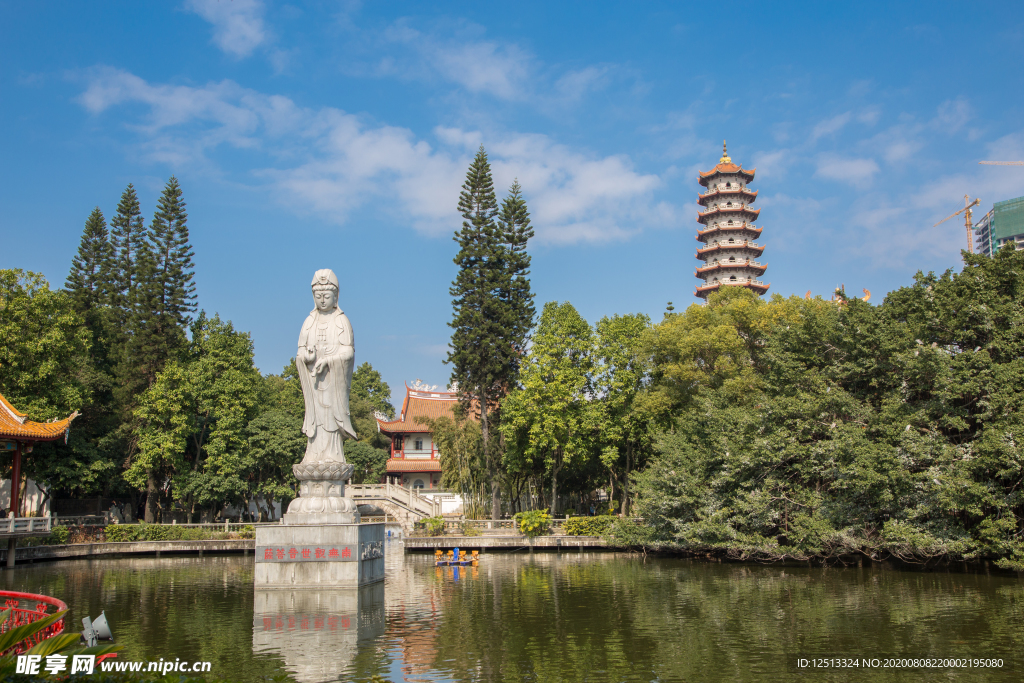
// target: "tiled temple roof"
[[14, 424]]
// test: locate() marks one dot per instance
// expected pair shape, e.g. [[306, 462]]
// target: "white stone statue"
[[324, 360]]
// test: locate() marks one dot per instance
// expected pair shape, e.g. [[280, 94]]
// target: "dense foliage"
[[588, 526], [817, 428]]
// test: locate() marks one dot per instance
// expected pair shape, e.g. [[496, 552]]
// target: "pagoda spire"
[[728, 251]]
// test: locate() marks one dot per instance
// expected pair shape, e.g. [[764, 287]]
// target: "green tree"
[[44, 348], [815, 428], [370, 395], [126, 239], [284, 392], [552, 417], [367, 384], [165, 294], [90, 285], [459, 448], [89, 281], [193, 422], [629, 413], [370, 463], [515, 234], [275, 443], [492, 303]]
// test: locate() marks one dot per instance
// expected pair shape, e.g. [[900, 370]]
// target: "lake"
[[550, 617]]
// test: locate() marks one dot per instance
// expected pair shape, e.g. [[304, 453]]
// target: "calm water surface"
[[546, 617]]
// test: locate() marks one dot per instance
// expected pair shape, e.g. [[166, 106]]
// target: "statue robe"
[[327, 421]]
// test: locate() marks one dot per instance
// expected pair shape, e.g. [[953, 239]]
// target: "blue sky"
[[334, 134]]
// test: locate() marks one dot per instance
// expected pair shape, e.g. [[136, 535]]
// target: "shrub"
[[247, 531], [160, 532], [588, 526], [533, 522], [58, 535], [467, 529], [434, 526]]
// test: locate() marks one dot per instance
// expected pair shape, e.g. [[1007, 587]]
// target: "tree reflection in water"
[[546, 617]]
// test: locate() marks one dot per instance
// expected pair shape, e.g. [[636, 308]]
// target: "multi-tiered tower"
[[727, 230]]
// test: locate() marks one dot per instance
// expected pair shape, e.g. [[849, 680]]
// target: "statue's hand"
[[320, 365], [308, 355]]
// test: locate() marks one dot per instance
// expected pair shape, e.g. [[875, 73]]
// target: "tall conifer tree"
[[165, 293], [89, 280], [126, 239], [490, 303], [516, 231], [172, 258]]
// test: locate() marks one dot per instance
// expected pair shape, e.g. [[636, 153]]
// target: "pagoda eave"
[[701, 253], [706, 177], [703, 271], [758, 287], [702, 199], [749, 214], [746, 227]]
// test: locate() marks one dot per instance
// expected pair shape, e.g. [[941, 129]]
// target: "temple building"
[[727, 231], [18, 435], [414, 460]]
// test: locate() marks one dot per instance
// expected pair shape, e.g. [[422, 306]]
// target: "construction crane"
[[1002, 163], [968, 205]]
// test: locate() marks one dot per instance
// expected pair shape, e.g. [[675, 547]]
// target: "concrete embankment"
[[77, 550], [504, 543], [497, 543]]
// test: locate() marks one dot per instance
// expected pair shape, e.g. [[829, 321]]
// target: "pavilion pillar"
[[12, 543]]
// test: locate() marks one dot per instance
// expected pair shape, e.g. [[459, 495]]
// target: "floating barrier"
[[455, 558]]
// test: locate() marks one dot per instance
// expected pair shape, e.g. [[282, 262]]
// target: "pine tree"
[[493, 307], [89, 279], [162, 304], [172, 255], [90, 285], [516, 231], [126, 239], [165, 294]]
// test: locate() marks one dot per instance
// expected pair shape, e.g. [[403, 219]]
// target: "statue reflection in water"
[[317, 632]]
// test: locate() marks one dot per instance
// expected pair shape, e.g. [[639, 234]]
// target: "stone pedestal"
[[327, 556], [320, 542]]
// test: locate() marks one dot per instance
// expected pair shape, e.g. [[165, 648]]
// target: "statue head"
[[325, 290]]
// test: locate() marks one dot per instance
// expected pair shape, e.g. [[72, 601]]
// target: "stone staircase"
[[404, 504]]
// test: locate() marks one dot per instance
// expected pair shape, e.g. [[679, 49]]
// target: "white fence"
[[406, 497], [25, 526]]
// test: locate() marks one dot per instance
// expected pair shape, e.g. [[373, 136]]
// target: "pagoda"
[[727, 231]]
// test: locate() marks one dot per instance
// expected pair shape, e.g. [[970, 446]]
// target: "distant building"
[[727, 230], [414, 459], [1005, 222]]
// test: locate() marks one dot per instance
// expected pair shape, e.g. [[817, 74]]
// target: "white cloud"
[[772, 165], [855, 172], [330, 162], [829, 126], [952, 115], [573, 85], [238, 24], [491, 67]]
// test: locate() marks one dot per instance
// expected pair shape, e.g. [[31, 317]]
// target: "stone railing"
[[25, 526], [406, 497]]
